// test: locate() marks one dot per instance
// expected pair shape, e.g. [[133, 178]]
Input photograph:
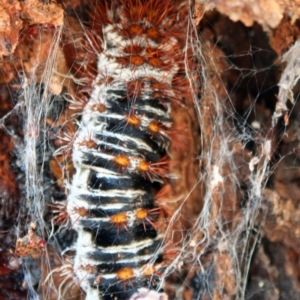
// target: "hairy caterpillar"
[[121, 149]]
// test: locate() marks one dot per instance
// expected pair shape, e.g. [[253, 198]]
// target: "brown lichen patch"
[[10, 26], [39, 13], [225, 281], [282, 223], [199, 9], [292, 8], [284, 35], [12, 14], [265, 12]]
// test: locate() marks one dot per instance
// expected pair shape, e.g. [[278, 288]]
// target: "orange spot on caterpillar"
[[137, 60], [81, 212], [118, 220], [100, 107], [143, 214], [133, 120], [125, 273], [155, 62], [158, 85], [88, 142], [135, 29], [154, 126], [133, 58], [149, 270], [122, 161], [144, 166], [61, 216], [152, 33], [159, 58], [150, 169]]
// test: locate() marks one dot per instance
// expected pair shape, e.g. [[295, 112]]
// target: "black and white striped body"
[[105, 189]]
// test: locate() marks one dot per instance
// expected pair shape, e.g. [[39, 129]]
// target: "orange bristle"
[[59, 210]]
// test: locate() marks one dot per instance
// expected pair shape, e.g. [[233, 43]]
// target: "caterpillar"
[[121, 150]]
